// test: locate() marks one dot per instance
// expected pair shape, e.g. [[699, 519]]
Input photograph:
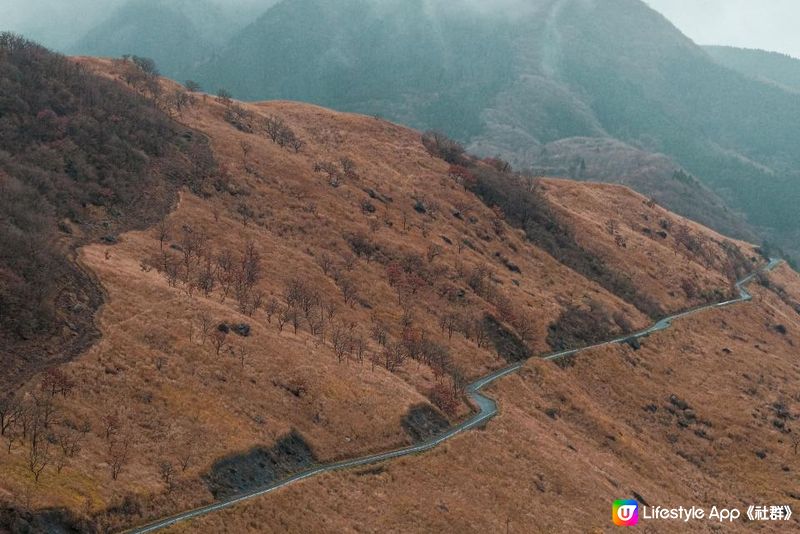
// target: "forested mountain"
[[781, 69], [177, 34], [507, 82]]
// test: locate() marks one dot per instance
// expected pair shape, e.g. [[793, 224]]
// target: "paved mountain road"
[[487, 408]]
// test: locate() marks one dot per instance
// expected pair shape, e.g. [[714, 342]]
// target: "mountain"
[[178, 35], [773, 67], [511, 80], [81, 160], [312, 285]]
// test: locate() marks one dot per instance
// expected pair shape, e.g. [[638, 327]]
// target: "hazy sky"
[[767, 24]]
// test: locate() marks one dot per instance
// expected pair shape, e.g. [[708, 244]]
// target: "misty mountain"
[[508, 78], [781, 69], [508, 82], [177, 34]]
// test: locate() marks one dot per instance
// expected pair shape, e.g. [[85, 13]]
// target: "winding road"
[[487, 408]]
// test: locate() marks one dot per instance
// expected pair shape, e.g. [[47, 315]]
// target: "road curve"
[[487, 408]]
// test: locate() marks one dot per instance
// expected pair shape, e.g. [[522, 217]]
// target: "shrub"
[[441, 146]]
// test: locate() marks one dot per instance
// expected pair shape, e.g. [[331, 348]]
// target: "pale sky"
[[767, 24]]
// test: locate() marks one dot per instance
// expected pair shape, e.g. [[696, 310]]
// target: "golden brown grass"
[[349, 409]]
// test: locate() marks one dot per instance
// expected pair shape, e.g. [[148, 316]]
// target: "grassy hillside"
[[80, 160], [322, 295], [508, 82]]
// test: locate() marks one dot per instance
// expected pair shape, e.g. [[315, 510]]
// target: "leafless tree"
[[394, 355], [205, 323], [326, 263], [166, 470], [434, 251], [284, 316], [340, 340], [206, 278], [187, 449], [348, 288], [247, 275], [118, 450], [448, 323], [331, 171], [164, 231], [68, 440], [112, 425], [274, 127], [9, 411], [246, 149], [225, 272], [224, 97], [379, 332], [56, 382], [295, 142], [219, 340], [271, 308], [38, 451]]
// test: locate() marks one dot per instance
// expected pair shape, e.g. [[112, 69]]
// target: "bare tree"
[[326, 263], [205, 323], [192, 86], [394, 355], [225, 272], [187, 449], [9, 411], [242, 354], [166, 470], [448, 323], [340, 339], [271, 308], [164, 231], [331, 170], [284, 317], [111, 424], [224, 97], [218, 340], [56, 382], [434, 251], [246, 149], [247, 275], [348, 288], [273, 127], [38, 452], [68, 440], [118, 451], [379, 332]]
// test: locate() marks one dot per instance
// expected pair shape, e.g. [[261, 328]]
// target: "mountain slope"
[[80, 160], [318, 300], [512, 81], [177, 35], [773, 67]]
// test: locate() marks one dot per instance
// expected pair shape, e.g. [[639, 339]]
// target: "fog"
[[746, 23], [766, 24], [60, 23]]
